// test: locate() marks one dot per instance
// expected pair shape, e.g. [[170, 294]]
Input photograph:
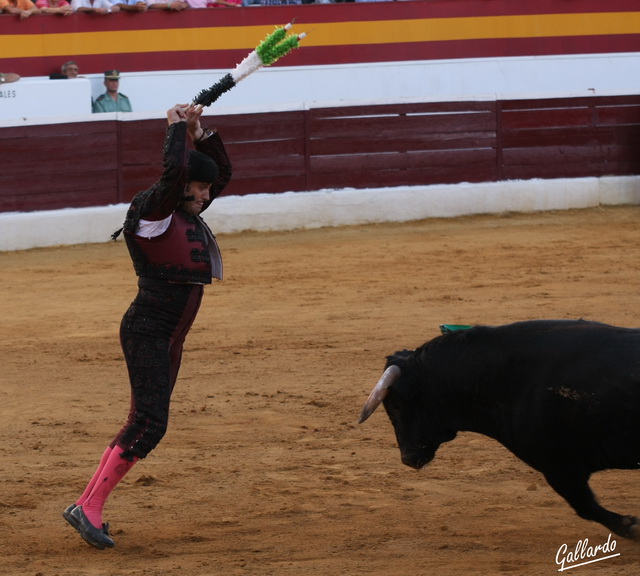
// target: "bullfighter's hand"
[[193, 121], [177, 113]]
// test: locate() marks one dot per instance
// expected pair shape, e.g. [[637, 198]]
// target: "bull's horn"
[[378, 394]]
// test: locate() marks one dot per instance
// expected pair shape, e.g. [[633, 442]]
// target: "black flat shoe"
[[99, 539], [67, 515]]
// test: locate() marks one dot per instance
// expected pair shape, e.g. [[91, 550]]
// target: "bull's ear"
[[400, 358], [381, 389]]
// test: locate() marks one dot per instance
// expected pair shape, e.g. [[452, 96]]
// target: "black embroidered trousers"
[[152, 334]]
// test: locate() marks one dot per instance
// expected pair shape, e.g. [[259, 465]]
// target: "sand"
[[264, 469]]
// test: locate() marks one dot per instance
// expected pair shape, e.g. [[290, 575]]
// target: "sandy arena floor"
[[264, 470]]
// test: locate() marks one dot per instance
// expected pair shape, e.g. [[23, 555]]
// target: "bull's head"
[[402, 391]]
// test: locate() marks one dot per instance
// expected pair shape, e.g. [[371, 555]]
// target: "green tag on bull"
[[447, 328]]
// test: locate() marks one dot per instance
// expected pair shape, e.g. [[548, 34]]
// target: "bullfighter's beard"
[[273, 47]]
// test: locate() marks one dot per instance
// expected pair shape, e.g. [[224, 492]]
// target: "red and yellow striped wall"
[[338, 34]]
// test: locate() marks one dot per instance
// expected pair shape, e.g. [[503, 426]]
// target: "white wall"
[[285, 87], [438, 80], [37, 98], [23, 230]]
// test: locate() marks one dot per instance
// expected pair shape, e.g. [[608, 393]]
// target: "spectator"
[[21, 8], [8, 77], [69, 69], [112, 100], [171, 5], [133, 6], [224, 3], [61, 7], [93, 6], [214, 3]]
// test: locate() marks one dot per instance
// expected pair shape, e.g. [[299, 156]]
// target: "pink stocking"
[[96, 475], [114, 470]]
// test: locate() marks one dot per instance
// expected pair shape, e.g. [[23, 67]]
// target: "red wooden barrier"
[[402, 144], [570, 138], [106, 162]]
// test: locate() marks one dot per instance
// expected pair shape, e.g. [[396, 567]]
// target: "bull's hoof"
[[634, 529], [631, 527]]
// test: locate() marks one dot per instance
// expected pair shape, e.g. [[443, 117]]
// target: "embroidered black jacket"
[[187, 251]]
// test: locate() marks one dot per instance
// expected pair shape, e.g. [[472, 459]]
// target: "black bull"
[[563, 396]]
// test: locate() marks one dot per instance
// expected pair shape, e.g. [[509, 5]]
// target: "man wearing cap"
[[174, 255], [112, 100]]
